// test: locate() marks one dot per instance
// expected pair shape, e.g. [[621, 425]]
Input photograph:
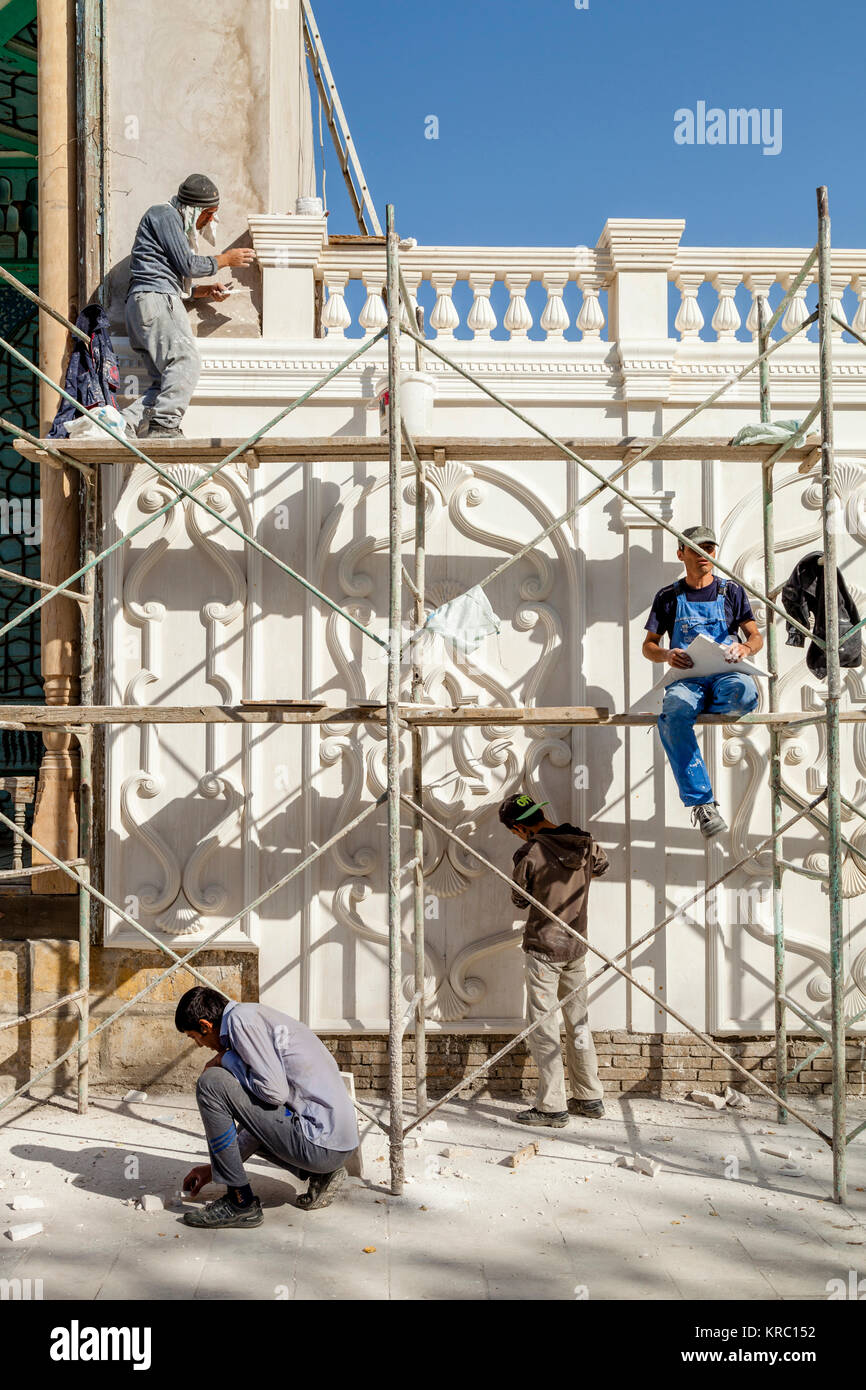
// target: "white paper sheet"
[[708, 659]]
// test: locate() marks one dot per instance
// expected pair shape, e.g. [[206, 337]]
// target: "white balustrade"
[[634, 259], [482, 269]]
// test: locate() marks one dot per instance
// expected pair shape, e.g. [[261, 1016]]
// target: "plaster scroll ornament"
[[804, 749], [177, 906], [850, 491], [468, 770]]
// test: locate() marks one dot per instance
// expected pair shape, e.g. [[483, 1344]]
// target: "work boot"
[[589, 1109], [322, 1190], [156, 430], [223, 1212], [553, 1119], [708, 820]]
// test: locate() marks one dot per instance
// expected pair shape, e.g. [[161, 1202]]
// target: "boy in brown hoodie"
[[556, 864]]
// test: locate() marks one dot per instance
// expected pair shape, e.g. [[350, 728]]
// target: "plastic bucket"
[[417, 393]]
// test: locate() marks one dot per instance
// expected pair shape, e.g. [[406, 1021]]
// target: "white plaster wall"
[[572, 625]]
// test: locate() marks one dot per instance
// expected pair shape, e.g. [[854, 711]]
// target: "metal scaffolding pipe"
[[602, 970], [834, 692], [769, 523], [609, 483], [399, 716], [192, 495], [182, 962], [395, 617], [417, 737], [609, 960], [205, 478], [625, 467]]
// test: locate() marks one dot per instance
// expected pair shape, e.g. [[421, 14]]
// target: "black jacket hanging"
[[803, 599], [92, 376]]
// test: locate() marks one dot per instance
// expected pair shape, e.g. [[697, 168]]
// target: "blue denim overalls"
[[685, 699]]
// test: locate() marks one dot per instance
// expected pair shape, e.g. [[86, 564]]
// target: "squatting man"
[[163, 264], [273, 1089]]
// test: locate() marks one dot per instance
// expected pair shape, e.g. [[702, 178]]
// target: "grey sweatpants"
[[222, 1101], [158, 327], [545, 984]]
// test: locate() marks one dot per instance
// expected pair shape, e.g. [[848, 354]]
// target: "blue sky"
[[552, 119]]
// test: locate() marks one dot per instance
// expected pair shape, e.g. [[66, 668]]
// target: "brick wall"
[[629, 1063], [143, 1049]]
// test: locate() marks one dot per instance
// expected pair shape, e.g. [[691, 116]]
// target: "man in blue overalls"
[[700, 603]]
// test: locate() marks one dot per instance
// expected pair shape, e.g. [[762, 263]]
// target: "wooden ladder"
[[347, 155]]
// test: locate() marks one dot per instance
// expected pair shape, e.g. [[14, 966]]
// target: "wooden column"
[[56, 819]]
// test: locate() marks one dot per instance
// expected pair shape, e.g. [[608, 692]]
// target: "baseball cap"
[[701, 535]]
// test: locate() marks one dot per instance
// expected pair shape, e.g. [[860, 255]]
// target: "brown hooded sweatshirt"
[[556, 867]]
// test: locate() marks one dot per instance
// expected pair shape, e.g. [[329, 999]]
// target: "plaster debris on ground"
[[662, 1199]]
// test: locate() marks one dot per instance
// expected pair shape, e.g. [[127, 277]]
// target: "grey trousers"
[[158, 327], [545, 984], [222, 1101]]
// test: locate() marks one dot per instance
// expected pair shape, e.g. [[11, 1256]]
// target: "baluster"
[[838, 286], [726, 319], [445, 317], [335, 311], [859, 322], [590, 320], [374, 315], [759, 287], [412, 280], [518, 319], [555, 318], [482, 319], [796, 312], [689, 320]]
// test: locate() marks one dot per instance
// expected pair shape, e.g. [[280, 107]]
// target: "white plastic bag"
[[85, 427], [464, 622]]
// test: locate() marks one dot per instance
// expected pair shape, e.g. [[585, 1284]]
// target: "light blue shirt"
[[282, 1062]]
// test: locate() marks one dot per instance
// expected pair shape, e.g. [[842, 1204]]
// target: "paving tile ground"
[[720, 1221]]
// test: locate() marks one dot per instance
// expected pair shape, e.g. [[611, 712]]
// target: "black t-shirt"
[[738, 609]]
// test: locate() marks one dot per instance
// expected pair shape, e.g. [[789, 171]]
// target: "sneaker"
[[223, 1212], [708, 820], [589, 1109], [156, 430], [322, 1190], [557, 1119]]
